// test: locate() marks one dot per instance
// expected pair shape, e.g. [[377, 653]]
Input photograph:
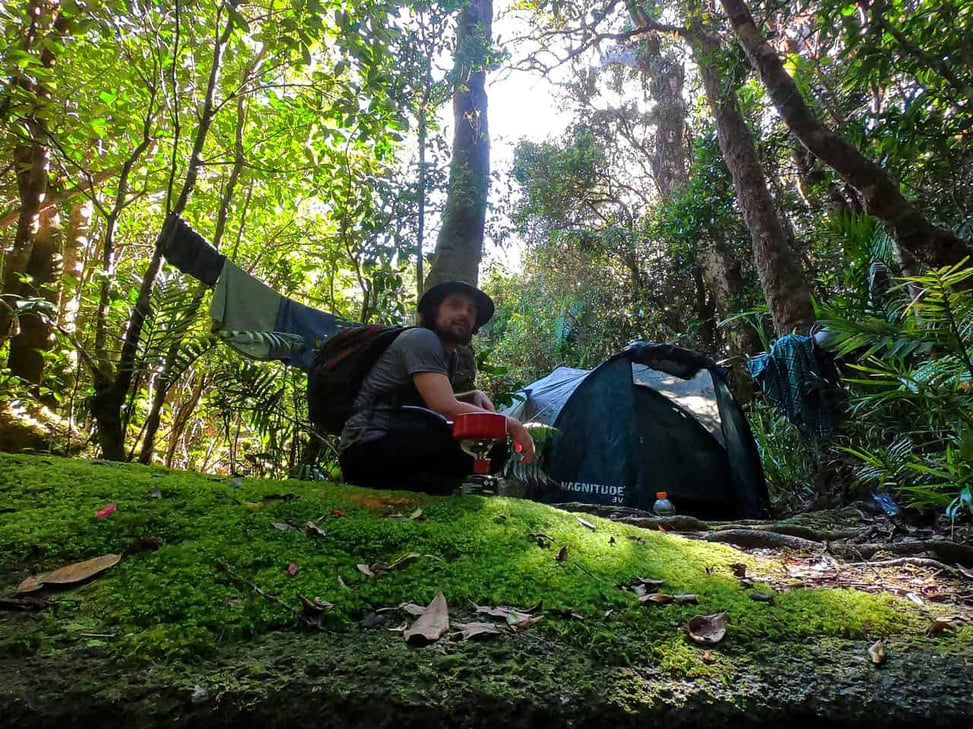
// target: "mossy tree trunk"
[[785, 289]]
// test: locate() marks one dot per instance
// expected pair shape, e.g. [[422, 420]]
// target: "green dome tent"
[[651, 418]]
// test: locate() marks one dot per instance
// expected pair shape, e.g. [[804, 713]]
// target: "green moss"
[[174, 604]]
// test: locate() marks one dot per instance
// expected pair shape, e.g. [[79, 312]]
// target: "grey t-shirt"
[[414, 351]]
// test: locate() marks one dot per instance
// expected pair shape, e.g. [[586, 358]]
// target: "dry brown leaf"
[[877, 653], [685, 599], [648, 583], [313, 529], [430, 626], [656, 597], [469, 631], [72, 573], [413, 609], [529, 622], [586, 524], [739, 569], [505, 612], [940, 624], [312, 611], [562, 556], [708, 657], [706, 629]]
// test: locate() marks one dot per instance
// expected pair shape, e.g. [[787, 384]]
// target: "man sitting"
[[382, 444]]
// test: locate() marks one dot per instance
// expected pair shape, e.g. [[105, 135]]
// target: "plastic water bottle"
[[662, 505]]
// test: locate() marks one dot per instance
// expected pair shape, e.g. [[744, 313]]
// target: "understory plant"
[[909, 373]]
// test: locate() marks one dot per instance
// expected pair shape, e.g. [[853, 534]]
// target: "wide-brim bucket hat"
[[431, 300]]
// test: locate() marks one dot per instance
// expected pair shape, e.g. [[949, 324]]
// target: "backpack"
[[339, 367]]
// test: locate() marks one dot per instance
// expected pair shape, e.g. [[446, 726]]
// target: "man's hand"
[[523, 443], [478, 398]]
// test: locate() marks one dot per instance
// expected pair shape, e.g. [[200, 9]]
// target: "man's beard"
[[456, 336]]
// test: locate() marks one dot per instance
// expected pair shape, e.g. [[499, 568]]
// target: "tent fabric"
[[651, 418]]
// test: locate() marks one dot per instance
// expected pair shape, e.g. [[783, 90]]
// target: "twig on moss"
[[298, 613]]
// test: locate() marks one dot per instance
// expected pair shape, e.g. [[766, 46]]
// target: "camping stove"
[[477, 433]]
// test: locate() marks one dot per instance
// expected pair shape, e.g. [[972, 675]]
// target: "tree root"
[[931, 564]]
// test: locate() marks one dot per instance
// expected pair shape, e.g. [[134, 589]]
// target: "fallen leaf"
[[661, 529], [708, 657], [739, 569], [312, 529], [648, 584], [562, 556], [399, 628], [108, 510], [706, 629], [526, 623], [761, 597], [430, 626], [505, 612], [876, 652], [656, 597], [940, 624], [469, 631], [72, 573], [913, 597], [637, 540], [685, 599], [543, 540], [25, 603], [338, 512], [292, 569], [611, 542], [567, 614], [412, 609], [313, 611], [746, 582], [586, 524], [365, 569], [282, 526], [341, 582], [417, 514]]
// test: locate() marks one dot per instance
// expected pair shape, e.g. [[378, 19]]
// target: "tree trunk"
[[931, 244], [720, 271], [785, 290], [26, 359], [46, 25], [459, 245]]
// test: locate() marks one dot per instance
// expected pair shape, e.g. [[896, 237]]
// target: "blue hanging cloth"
[[792, 377]]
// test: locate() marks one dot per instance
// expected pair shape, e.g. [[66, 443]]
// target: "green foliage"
[[910, 378]]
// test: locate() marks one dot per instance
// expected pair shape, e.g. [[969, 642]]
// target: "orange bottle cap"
[[660, 494]]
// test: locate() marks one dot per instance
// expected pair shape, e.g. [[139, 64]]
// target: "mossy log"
[[183, 631]]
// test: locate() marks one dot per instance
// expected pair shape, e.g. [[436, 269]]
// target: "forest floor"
[[133, 596]]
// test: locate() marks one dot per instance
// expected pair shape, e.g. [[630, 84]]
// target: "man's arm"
[[478, 398], [438, 395]]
